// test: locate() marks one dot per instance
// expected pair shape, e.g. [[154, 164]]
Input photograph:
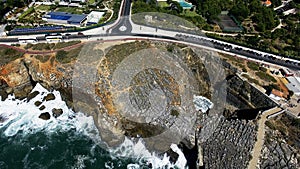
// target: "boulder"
[[37, 103], [57, 112], [49, 96], [42, 107], [32, 95], [45, 116]]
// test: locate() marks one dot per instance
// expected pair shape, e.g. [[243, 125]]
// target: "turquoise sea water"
[[57, 151]]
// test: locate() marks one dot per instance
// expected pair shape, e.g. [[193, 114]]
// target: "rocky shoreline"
[[229, 142]]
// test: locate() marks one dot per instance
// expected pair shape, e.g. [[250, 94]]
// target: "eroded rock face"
[[145, 89], [230, 145], [281, 146], [45, 116], [21, 75], [16, 76]]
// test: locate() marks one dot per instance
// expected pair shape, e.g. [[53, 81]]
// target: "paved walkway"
[[260, 137], [2, 30], [40, 52]]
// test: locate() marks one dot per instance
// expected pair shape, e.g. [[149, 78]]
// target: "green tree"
[[255, 6], [240, 11]]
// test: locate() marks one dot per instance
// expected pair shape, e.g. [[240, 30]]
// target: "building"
[[65, 18], [286, 72], [94, 17], [294, 84], [277, 95], [266, 3]]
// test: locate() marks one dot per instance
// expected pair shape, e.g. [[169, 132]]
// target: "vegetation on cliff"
[[7, 55]]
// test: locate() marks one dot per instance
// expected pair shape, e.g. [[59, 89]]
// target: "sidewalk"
[[261, 137]]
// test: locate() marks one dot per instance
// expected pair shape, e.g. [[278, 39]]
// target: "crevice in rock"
[[32, 82]]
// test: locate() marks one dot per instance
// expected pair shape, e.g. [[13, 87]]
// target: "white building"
[[94, 17], [294, 84]]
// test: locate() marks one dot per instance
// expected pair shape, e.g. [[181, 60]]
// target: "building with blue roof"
[[65, 18]]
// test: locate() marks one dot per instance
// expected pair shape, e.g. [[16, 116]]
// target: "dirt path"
[[40, 52], [260, 137]]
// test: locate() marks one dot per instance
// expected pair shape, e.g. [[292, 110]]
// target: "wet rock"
[[49, 96], [32, 95], [57, 112], [4, 90], [45, 116], [3, 95], [42, 107], [37, 103]]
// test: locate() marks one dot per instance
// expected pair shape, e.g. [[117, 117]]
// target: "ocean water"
[[69, 141]]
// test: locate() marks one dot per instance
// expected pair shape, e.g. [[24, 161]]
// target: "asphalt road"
[[123, 28]]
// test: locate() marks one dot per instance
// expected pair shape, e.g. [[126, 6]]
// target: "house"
[[294, 84], [94, 17], [286, 72], [276, 94], [65, 18], [266, 3]]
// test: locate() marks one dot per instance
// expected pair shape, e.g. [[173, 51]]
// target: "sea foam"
[[22, 117]]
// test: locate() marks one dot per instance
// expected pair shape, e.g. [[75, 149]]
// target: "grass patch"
[[42, 58], [71, 10], [63, 56], [265, 76], [28, 46], [44, 8], [189, 13], [43, 46], [233, 58], [253, 66], [105, 17], [7, 55], [91, 1], [251, 80], [61, 45], [119, 52], [27, 12], [163, 4]]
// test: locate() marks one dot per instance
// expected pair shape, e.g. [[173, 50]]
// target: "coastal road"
[[123, 27], [220, 46]]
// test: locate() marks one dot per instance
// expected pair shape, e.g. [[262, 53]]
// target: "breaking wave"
[[19, 119]]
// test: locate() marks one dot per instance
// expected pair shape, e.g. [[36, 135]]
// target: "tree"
[[240, 11], [255, 6]]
